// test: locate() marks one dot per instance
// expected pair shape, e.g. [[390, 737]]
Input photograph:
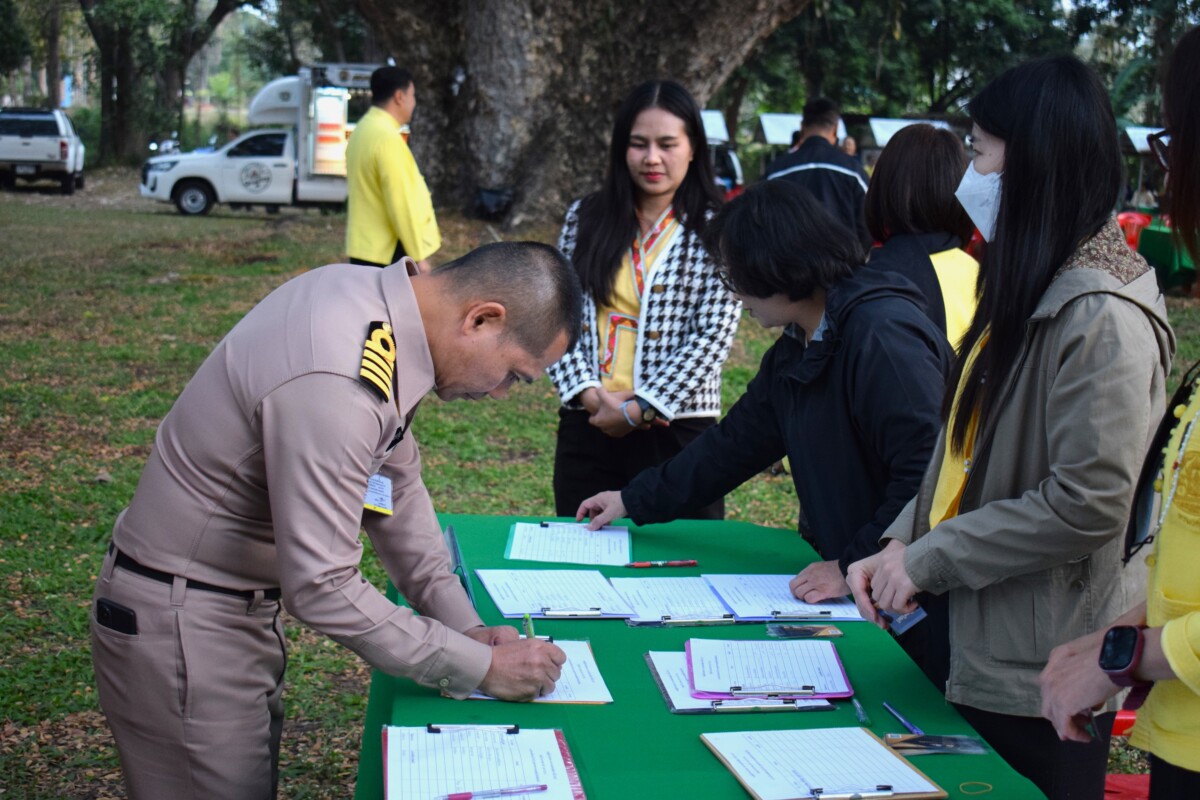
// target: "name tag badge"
[[379, 494], [902, 623]]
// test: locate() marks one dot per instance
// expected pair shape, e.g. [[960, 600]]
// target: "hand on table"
[[498, 634], [1073, 685], [602, 509], [881, 582], [819, 581], [523, 670]]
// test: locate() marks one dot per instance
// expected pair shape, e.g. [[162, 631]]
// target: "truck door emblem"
[[255, 177]]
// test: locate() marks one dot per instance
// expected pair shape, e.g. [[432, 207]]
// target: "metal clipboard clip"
[[799, 691], [778, 615], [724, 619], [546, 611], [436, 728]]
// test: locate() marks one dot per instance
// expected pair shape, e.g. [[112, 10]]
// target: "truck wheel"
[[67, 184], [193, 198], [79, 181], [8, 182]]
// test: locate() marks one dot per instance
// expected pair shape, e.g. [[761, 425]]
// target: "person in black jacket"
[[819, 165], [850, 392]]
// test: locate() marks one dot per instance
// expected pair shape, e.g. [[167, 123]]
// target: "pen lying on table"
[[689, 562], [541, 787]]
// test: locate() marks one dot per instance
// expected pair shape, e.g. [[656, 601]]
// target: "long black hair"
[[1062, 177], [608, 218], [1181, 101]]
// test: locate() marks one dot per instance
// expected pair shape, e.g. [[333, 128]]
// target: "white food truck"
[[299, 160]]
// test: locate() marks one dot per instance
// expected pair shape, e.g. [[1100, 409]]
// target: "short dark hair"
[[820, 112], [796, 137], [533, 281], [386, 81], [1181, 102], [777, 238], [912, 187]]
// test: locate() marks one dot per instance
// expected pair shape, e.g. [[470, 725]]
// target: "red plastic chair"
[[1131, 223], [1125, 787]]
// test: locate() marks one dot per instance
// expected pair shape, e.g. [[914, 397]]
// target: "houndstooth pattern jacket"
[[687, 326]]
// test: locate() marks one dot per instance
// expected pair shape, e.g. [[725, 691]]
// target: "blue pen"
[[908, 725]]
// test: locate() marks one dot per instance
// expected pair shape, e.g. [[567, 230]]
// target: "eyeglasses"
[[1160, 144], [726, 281]]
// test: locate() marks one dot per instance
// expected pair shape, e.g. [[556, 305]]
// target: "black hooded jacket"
[[857, 413]]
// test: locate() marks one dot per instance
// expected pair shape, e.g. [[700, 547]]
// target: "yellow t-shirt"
[[387, 200], [617, 322], [957, 273], [1168, 725]]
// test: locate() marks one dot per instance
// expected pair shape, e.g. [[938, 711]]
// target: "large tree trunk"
[[52, 31], [543, 80]]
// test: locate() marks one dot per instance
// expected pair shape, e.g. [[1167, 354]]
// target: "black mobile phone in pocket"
[[116, 616]]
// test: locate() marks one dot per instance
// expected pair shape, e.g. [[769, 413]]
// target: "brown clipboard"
[[940, 794]]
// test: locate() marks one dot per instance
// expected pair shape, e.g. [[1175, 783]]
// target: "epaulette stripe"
[[380, 376], [379, 361], [375, 382]]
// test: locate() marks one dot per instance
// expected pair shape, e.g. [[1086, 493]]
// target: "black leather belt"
[[127, 563]]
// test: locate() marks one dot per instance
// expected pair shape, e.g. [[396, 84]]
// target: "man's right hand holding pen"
[[523, 670], [601, 509]]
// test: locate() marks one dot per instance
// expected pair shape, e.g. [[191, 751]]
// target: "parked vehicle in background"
[[300, 160], [40, 144], [727, 167]]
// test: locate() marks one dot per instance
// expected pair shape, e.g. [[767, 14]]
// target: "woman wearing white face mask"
[[1051, 404]]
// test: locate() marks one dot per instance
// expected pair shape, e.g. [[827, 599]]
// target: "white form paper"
[[553, 593], [568, 542], [720, 668], [758, 597], [424, 765], [778, 765], [671, 667], [580, 681], [653, 599]]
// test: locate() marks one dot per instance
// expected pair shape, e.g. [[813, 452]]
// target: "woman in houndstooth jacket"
[[645, 376]]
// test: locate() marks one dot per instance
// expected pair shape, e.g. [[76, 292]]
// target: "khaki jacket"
[[1034, 557]]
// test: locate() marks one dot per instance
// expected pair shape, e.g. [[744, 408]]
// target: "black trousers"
[[1169, 782], [1063, 770], [586, 461], [396, 256]]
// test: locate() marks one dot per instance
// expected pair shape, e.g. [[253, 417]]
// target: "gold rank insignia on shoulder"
[[379, 360]]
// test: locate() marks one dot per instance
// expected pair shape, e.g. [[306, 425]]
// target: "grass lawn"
[[108, 304]]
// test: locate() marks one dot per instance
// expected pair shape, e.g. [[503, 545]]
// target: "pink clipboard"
[[817, 692]]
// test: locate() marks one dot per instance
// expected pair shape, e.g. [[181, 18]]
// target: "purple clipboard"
[[787, 693]]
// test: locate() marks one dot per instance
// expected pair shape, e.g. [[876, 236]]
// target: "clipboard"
[[457, 564], [870, 758], [683, 703], [837, 686], [436, 768]]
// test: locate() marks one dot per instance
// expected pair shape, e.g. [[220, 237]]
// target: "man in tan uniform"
[[254, 493]]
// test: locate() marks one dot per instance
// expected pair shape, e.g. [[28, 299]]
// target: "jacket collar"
[[1105, 264]]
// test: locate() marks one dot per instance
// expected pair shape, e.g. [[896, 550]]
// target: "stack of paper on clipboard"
[[670, 672], [768, 598], [553, 593], [568, 542], [718, 599], [819, 763], [441, 760], [730, 669], [580, 681]]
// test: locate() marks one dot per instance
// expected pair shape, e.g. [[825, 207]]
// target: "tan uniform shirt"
[[258, 474]]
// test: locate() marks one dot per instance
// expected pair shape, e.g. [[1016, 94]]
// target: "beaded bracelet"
[[625, 413]]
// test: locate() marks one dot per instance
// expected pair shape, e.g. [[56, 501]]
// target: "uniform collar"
[[414, 375]]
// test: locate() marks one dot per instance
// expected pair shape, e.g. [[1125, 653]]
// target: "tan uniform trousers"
[[194, 699]]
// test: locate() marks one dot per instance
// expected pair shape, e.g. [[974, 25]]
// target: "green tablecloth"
[[1174, 267], [634, 747]]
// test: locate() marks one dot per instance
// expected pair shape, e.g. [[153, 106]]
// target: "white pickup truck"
[[299, 162], [39, 144], [258, 168]]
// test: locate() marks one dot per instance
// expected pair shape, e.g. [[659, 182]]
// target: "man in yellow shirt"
[[390, 210]]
